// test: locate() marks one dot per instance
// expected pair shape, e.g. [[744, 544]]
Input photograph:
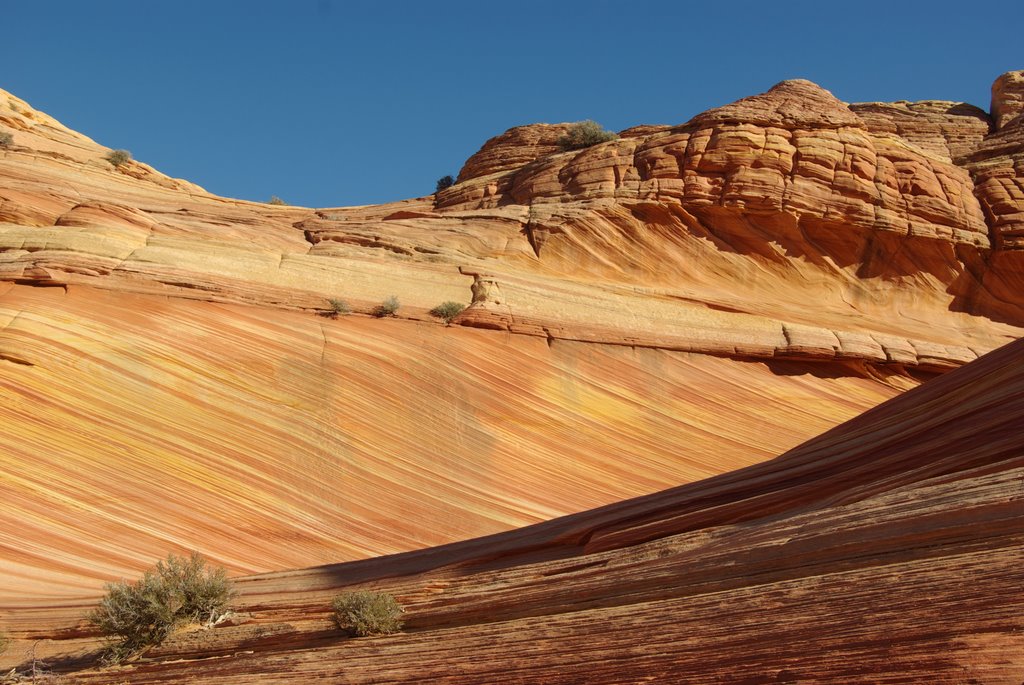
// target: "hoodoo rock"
[[1008, 99]]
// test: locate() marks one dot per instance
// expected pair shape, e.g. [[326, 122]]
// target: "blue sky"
[[328, 103]]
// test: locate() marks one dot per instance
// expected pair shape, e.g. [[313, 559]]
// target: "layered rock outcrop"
[[843, 560], [794, 150], [998, 164], [513, 149], [135, 425], [945, 129], [1008, 99], [682, 301]]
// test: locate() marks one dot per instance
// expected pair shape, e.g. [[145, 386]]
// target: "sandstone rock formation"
[[513, 149], [683, 301], [998, 164], [941, 128], [886, 550]]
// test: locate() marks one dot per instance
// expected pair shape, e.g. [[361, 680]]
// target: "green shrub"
[[365, 613], [119, 157], [275, 200], [6, 139], [175, 592], [386, 308], [444, 183], [338, 308], [584, 134], [447, 311]]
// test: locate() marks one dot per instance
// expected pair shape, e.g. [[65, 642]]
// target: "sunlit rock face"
[[680, 302], [869, 529], [998, 163]]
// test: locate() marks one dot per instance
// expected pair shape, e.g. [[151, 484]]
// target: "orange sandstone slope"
[[677, 303], [887, 550]]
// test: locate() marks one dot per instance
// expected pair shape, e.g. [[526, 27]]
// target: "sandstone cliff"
[[680, 302], [887, 550]]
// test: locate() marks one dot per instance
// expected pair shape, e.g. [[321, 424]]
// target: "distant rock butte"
[[679, 302]]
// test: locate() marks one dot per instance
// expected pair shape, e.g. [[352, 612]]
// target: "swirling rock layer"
[[269, 440], [886, 550], [679, 302]]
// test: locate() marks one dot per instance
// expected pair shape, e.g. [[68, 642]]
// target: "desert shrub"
[[275, 200], [386, 308], [584, 134], [444, 183], [447, 311], [119, 157], [6, 139], [365, 613], [338, 308], [176, 592], [5, 642]]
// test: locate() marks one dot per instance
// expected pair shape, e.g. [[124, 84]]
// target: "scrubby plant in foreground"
[[584, 134], [119, 157], [5, 642], [176, 592], [386, 308], [366, 613], [447, 311]]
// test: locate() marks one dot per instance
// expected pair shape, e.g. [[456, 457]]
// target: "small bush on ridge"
[[275, 200], [386, 308], [366, 613], [447, 311], [338, 308], [444, 183], [584, 134], [175, 592], [119, 157]]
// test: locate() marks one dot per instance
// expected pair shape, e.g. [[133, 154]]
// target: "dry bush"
[[447, 311], [175, 592], [366, 613], [338, 308], [584, 134], [444, 183], [386, 308], [119, 157]]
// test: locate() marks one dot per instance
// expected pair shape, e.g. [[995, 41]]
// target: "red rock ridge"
[[794, 150]]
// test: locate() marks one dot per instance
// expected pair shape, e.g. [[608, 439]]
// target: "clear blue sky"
[[328, 102]]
